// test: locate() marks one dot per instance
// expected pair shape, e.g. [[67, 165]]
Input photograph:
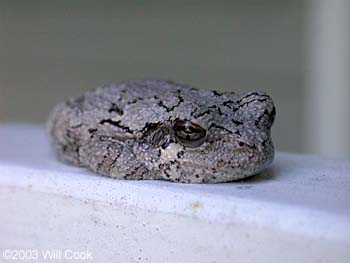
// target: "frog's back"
[[117, 108]]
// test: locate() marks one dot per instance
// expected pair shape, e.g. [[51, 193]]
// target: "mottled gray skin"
[[126, 131]]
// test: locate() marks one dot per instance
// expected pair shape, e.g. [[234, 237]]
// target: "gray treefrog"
[[157, 129]]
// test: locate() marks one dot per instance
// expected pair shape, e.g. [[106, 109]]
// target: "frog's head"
[[223, 138]]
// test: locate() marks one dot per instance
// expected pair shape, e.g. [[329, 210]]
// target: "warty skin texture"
[[156, 129]]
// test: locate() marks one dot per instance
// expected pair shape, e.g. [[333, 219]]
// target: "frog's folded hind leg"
[[113, 159], [65, 136]]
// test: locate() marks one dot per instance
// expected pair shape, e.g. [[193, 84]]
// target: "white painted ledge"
[[296, 211]]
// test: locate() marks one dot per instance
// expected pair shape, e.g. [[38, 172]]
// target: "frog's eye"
[[189, 134]]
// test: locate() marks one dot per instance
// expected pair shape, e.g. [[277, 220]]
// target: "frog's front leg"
[[113, 159]]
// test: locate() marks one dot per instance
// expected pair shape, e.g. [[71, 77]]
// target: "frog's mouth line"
[[248, 153]]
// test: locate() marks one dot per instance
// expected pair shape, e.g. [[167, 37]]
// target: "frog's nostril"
[[266, 119]]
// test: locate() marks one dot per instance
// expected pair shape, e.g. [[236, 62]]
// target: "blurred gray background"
[[51, 50]]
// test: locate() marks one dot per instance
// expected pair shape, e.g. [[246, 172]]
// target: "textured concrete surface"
[[296, 210]]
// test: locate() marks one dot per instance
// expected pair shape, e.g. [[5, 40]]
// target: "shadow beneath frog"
[[268, 174]]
